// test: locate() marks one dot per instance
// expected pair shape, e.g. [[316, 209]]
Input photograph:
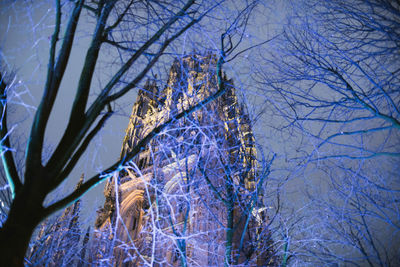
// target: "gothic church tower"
[[192, 196]]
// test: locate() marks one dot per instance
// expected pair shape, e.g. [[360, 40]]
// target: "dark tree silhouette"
[[140, 32]]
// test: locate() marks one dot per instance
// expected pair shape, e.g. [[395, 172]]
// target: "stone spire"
[[190, 196]]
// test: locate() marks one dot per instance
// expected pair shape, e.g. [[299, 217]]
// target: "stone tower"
[[192, 197]]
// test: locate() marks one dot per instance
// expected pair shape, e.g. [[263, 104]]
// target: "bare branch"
[[5, 146], [75, 132], [82, 148], [35, 145], [107, 173]]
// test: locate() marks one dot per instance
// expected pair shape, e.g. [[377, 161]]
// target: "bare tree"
[[334, 80], [139, 33]]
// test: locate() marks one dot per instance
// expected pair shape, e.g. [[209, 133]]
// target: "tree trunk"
[[25, 214]]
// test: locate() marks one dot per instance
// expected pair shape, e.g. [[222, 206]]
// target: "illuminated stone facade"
[[191, 197]]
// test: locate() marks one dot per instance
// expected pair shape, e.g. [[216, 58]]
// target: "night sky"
[[303, 166], [25, 33]]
